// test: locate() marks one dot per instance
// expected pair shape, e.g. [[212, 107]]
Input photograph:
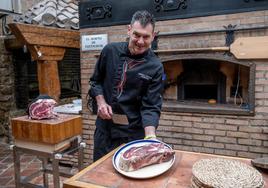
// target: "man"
[[127, 85]]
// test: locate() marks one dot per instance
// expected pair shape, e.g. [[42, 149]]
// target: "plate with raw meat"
[[143, 159]]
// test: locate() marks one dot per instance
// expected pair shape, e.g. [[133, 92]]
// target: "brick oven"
[[214, 102], [208, 83], [204, 80]]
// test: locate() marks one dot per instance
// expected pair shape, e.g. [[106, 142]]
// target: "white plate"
[[145, 172]]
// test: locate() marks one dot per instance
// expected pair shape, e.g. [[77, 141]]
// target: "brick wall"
[[243, 136]]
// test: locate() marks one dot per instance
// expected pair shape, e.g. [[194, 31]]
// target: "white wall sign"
[[94, 42]]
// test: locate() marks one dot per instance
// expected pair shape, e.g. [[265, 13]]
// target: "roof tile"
[[52, 13]]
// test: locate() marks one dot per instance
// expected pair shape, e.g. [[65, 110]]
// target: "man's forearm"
[[100, 100]]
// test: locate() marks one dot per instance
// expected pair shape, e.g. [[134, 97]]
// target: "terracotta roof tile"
[[52, 13]]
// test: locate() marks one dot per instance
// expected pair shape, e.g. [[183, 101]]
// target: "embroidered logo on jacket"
[[127, 65]]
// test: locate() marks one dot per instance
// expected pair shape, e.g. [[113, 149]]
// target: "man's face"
[[140, 38]]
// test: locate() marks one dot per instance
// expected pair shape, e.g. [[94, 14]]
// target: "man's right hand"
[[104, 110]]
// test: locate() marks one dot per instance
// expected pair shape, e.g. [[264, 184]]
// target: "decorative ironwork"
[[169, 5], [154, 45], [99, 12], [247, 1], [229, 39]]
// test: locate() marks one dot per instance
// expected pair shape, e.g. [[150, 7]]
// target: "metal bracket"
[[58, 156], [99, 12], [169, 5], [229, 38], [83, 144], [11, 147], [154, 45]]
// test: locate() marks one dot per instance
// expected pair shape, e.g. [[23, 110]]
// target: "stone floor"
[[29, 164]]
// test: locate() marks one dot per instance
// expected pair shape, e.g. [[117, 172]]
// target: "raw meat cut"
[[141, 156], [42, 109]]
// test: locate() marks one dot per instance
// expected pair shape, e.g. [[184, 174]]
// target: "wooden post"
[[47, 69], [48, 78], [47, 47]]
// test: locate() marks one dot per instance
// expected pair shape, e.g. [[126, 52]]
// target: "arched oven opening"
[[207, 83]]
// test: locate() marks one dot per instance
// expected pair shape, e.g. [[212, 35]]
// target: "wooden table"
[[102, 174], [47, 131], [49, 140]]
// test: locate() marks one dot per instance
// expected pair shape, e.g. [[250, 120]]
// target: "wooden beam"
[[39, 35], [241, 48], [12, 43], [46, 53], [47, 68], [48, 78]]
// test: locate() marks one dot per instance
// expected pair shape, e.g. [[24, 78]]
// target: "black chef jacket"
[[132, 85]]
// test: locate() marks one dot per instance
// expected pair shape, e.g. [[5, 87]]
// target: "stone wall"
[[6, 90], [242, 136], [7, 102]]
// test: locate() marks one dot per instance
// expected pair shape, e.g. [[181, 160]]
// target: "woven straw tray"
[[225, 173]]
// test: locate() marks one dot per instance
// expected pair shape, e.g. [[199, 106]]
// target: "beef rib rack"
[[42, 109], [141, 156]]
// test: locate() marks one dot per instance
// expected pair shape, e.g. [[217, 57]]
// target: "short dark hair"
[[144, 18]]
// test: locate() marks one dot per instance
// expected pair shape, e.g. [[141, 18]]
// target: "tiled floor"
[[29, 164]]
